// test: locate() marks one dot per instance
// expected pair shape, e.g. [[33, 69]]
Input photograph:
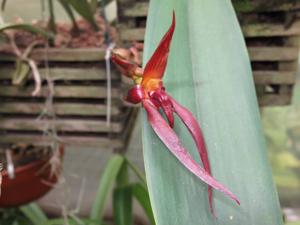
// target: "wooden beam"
[[63, 55], [139, 9], [274, 100], [132, 34], [71, 125], [249, 31], [65, 73], [62, 91], [270, 30], [273, 53], [93, 141], [264, 6], [78, 109], [274, 77]]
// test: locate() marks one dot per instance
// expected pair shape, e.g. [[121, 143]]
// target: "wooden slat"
[[61, 91], [274, 77], [250, 30], [138, 9], [66, 73], [96, 141], [274, 100], [132, 34], [141, 8], [59, 108], [273, 53], [270, 30], [71, 125], [63, 55], [265, 6]]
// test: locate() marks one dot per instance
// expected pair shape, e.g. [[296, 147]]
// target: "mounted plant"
[[78, 98], [87, 32]]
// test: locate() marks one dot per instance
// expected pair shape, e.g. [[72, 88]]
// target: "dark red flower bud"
[[135, 94]]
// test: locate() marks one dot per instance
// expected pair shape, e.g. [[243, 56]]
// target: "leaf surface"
[[209, 73]]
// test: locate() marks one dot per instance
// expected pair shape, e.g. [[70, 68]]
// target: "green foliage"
[[84, 9], [51, 24], [12, 216], [70, 13], [209, 72], [34, 214], [106, 183], [122, 203], [26, 27]]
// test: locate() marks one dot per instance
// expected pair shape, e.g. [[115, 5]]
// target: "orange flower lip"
[[152, 85]]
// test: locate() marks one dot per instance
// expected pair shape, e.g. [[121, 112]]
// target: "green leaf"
[[51, 22], [3, 4], [209, 72], [21, 73], [94, 6], [83, 8], [34, 213], [122, 204], [105, 185], [26, 27], [136, 171], [71, 221], [141, 194], [122, 178], [70, 13]]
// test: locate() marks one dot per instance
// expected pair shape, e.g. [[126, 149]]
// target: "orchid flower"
[[150, 91]]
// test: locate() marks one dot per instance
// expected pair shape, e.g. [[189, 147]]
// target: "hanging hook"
[[10, 165], [108, 78]]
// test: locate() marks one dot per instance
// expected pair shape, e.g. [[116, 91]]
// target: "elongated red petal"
[[156, 66], [170, 139], [192, 125]]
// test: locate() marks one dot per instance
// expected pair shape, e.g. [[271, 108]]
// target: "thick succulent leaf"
[[26, 27], [3, 4], [83, 8], [209, 73], [34, 213], [106, 183], [140, 192], [70, 13], [122, 204]]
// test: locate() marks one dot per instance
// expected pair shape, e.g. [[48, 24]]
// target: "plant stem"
[[51, 23]]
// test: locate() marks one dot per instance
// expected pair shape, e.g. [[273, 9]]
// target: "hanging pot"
[[31, 182]]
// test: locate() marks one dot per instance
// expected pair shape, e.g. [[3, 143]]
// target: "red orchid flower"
[[149, 91]]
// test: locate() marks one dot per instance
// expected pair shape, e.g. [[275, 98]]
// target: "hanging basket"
[[79, 101], [30, 182]]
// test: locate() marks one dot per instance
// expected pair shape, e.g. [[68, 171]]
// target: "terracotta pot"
[[31, 182]]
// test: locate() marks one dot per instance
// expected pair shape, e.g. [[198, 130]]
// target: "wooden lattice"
[[271, 35]]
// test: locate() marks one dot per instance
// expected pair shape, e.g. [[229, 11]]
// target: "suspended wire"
[[109, 47]]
